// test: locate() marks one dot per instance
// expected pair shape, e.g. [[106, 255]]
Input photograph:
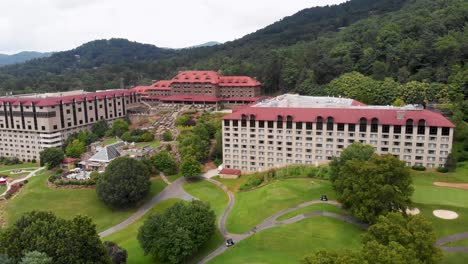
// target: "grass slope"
[[68, 203], [217, 198], [252, 207], [290, 243], [312, 208]]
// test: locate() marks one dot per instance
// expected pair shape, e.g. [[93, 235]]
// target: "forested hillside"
[[21, 57], [405, 40]]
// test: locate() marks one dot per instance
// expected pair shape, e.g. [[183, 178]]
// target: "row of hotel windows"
[[331, 152], [78, 103], [397, 129], [320, 139], [272, 165], [320, 151], [320, 145]]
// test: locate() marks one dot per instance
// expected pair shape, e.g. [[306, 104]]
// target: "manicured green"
[[18, 166], [428, 197], [454, 258], [290, 243], [312, 208], [2, 188], [208, 192], [218, 199], [154, 144], [111, 140], [68, 203], [252, 207], [127, 237]]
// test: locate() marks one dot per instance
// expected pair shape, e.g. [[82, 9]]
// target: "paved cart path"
[[31, 174], [173, 190]]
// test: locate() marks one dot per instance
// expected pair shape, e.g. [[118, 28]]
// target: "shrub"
[[418, 168], [442, 170], [251, 182], [167, 136]]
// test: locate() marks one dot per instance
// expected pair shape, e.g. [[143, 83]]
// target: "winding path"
[[31, 174], [270, 221], [452, 238], [173, 190]]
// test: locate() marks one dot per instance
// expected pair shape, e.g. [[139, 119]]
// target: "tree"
[[147, 137], [371, 186], [119, 127], [4, 259], [398, 102], [200, 130], [64, 241], [413, 237], [75, 148], [36, 257], [99, 128], [117, 254], [194, 146], [178, 232], [165, 162], [355, 151], [52, 157], [124, 183], [354, 85], [167, 136], [190, 167]]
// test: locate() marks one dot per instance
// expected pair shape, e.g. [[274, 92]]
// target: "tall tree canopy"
[[179, 232], [370, 185], [124, 183], [72, 241]]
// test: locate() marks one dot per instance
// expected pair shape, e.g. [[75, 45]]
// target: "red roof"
[[50, 101], [69, 160], [230, 171], [143, 90], [189, 98], [161, 85], [196, 77], [342, 115], [243, 81]]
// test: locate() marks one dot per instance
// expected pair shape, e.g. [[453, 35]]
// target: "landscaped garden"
[[67, 203]]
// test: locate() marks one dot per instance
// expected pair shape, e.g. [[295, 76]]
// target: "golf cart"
[[323, 198], [229, 242]]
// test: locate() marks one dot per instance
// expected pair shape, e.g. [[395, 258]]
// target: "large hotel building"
[[30, 123], [202, 87], [292, 129]]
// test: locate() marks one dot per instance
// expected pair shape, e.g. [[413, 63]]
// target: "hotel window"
[[445, 131], [374, 125], [319, 123], [299, 125], [363, 124], [309, 125], [330, 123], [289, 122], [421, 127], [396, 130], [279, 122], [409, 126], [261, 124], [385, 129], [340, 127], [432, 130]]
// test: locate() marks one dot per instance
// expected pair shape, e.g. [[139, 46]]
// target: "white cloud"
[[53, 25]]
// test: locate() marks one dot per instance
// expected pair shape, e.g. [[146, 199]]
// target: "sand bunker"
[[445, 214], [451, 184], [413, 211]]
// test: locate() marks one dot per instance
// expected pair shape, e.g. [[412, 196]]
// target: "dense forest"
[[406, 40]]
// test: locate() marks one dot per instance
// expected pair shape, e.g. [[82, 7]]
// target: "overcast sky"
[[55, 25]]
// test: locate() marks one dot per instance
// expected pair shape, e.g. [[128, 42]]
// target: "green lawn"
[[154, 144], [312, 208], [290, 243], [2, 188], [232, 184], [252, 207], [110, 141], [459, 243], [68, 203], [454, 258], [27, 167], [127, 237], [208, 192], [217, 198]]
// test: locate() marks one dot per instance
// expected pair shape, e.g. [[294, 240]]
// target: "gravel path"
[[174, 190]]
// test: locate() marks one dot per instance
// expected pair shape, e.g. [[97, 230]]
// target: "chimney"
[[400, 115]]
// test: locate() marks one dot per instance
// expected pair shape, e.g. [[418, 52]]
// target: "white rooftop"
[[301, 101]]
